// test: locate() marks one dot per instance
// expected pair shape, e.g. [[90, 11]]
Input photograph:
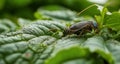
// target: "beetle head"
[[95, 25]]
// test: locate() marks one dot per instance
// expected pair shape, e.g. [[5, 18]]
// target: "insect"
[[81, 28]]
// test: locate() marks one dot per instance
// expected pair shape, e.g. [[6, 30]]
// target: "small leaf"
[[100, 18], [113, 21]]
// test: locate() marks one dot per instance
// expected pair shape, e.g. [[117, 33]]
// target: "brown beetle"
[[81, 28]]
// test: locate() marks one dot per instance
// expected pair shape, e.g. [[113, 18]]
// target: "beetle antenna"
[[86, 9]]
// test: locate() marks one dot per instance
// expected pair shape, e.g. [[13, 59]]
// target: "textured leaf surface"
[[7, 26], [43, 28], [28, 45], [27, 50]]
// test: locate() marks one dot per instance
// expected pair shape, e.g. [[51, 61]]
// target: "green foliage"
[[101, 17], [41, 40], [113, 21]]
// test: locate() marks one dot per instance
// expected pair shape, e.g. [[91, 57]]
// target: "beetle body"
[[81, 28]]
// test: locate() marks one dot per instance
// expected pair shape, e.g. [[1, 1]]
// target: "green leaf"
[[114, 48], [80, 61], [62, 56], [56, 13], [28, 45], [44, 27], [23, 41], [28, 50], [113, 21], [63, 47], [100, 18], [94, 48], [34, 29], [97, 44]]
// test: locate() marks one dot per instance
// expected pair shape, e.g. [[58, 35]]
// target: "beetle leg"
[[81, 33]]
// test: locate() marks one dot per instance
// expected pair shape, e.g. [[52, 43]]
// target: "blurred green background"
[[26, 8]]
